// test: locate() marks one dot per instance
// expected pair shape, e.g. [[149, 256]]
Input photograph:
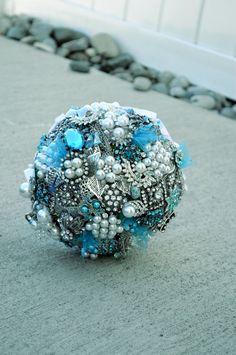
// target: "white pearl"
[[112, 227], [76, 162], [67, 164], [111, 234], [107, 123], [93, 256], [117, 168], [147, 161], [110, 160], [110, 115], [104, 231], [100, 164], [69, 173], [140, 167], [166, 160], [25, 189], [151, 155], [123, 121], [159, 158], [120, 229], [157, 173], [97, 219], [95, 232], [155, 164], [95, 226], [110, 177], [128, 211], [104, 223], [88, 227], [155, 148], [103, 236], [40, 174], [162, 167], [112, 220], [43, 216], [118, 133], [79, 172], [100, 175]]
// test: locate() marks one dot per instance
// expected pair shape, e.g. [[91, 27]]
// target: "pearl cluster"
[[103, 175], [104, 226]]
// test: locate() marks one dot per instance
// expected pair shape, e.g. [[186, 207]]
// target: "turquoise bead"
[[84, 209], [96, 204], [74, 139]]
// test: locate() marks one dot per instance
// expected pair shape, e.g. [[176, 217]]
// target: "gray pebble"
[[141, 83], [77, 45], [17, 32], [203, 101], [152, 73], [40, 30], [228, 112], [123, 60], [177, 91], [196, 90], [28, 40], [78, 56], [137, 69], [63, 52], [96, 59], [161, 87], [165, 77], [80, 66], [48, 45], [91, 52], [179, 81], [125, 76], [5, 24], [105, 45], [64, 34]]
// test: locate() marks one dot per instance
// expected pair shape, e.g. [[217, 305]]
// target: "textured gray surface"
[[179, 297]]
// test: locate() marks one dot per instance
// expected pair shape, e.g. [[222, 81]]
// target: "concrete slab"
[[176, 298]]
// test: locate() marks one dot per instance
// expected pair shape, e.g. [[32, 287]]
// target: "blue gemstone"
[[74, 139], [96, 204], [84, 209]]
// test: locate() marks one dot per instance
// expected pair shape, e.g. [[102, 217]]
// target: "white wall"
[[196, 38]]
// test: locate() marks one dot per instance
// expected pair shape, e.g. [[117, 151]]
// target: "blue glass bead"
[[96, 204], [84, 209], [74, 139]]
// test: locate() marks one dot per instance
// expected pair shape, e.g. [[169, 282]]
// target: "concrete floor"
[[176, 298]]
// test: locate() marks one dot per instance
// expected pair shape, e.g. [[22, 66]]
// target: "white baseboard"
[[200, 65]]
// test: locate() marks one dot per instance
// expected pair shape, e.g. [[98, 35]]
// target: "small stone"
[[125, 76], [141, 83], [48, 45], [196, 90], [123, 60], [17, 32], [77, 45], [78, 56], [152, 73], [5, 24], [23, 21], [228, 112], [28, 40], [179, 81], [220, 99], [137, 69], [105, 45], [40, 30], [234, 108], [117, 70], [165, 77], [80, 66], [91, 52], [63, 52], [203, 101], [64, 34], [96, 59], [177, 91], [161, 87]]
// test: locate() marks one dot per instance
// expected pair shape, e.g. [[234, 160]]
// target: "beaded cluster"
[[105, 177]]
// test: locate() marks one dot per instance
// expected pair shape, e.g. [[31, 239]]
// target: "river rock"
[[5, 24], [203, 101], [64, 34], [96, 59], [141, 83], [91, 52], [179, 81], [77, 45], [196, 90], [48, 45], [125, 76], [17, 32], [123, 60], [105, 45], [81, 66], [63, 52], [78, 56], [177, 91], [137, 69], [165, 77], [228, 112], [40, 30], [28, 40], [160, 87]]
